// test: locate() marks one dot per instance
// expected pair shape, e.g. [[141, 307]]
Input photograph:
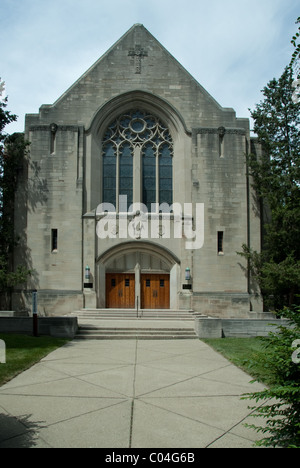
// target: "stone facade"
[[60, 190]]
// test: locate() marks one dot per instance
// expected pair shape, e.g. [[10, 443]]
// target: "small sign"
[[187, 286]]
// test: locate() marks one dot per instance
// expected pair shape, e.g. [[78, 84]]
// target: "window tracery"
[[138, 138]]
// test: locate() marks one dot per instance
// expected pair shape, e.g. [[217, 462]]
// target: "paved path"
[[128, 394]]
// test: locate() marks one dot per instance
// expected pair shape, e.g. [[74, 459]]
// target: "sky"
[[233, 48]]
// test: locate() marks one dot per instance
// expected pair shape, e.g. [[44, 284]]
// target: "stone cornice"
[[49, 128], [219, 131]]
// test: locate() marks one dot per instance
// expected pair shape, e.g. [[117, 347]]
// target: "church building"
[[136, 192]]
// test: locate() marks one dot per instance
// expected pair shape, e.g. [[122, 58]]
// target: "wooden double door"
[[120, 291]]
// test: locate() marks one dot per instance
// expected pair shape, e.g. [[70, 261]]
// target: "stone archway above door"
[[144, 270], [139, 248]]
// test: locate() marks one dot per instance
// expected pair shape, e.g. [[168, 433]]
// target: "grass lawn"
[[245, 353], [23, 351]]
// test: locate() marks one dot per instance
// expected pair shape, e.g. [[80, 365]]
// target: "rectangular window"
[[220, 242], [113, 282], [127, 283], [54, 240], [147, 283], [162, 283]]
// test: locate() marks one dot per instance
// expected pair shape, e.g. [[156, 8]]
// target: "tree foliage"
[[281, 408], [295, 61], [276, 179], [12, 152]]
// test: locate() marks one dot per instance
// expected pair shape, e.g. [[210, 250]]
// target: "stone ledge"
[[239, 328], [62, 327]]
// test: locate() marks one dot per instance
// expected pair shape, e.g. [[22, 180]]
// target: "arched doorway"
[[140, 275]]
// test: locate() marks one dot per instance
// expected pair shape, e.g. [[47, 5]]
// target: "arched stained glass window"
[[137, 139]]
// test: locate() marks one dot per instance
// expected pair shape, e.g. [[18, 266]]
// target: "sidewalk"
[[128, 394]]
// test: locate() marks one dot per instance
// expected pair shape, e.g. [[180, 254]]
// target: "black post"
[[34, 313]]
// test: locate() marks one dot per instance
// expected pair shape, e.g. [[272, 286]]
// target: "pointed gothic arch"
[[138, 99]]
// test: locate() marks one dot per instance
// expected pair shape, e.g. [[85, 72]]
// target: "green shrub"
[[281, 400]]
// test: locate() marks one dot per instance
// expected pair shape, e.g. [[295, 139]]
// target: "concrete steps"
[[127, 324], [132, 314], [111, 333]]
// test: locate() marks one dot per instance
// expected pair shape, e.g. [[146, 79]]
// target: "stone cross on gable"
[[138, 53]]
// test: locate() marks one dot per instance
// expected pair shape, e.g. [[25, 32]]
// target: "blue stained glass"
[[126, 150], [109, 174], [126, 173], [149, 151], [137, 125], [149, 176], [144, 135], [128, 134], [165, 151], [150, 122], [125, 121], [137, 115], [109, 150], [165, 175]]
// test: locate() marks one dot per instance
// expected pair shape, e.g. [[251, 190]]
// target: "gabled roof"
[[141, 38], [137, 63]]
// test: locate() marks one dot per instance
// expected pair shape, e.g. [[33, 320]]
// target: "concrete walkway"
[[128, 394]]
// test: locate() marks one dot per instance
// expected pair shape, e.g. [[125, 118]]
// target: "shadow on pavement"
[[18, 432]]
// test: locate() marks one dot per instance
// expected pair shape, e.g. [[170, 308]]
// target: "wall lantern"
[[187, 274], [87, 273]]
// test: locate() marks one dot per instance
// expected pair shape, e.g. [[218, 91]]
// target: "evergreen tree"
[[276, 179]]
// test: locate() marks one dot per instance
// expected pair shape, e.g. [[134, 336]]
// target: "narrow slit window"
[[222, 132], [53, 130], [220, 242], [52, 142], [221, 146], [54, 240]]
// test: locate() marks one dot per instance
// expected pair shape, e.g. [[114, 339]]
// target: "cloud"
[[232, 48]]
